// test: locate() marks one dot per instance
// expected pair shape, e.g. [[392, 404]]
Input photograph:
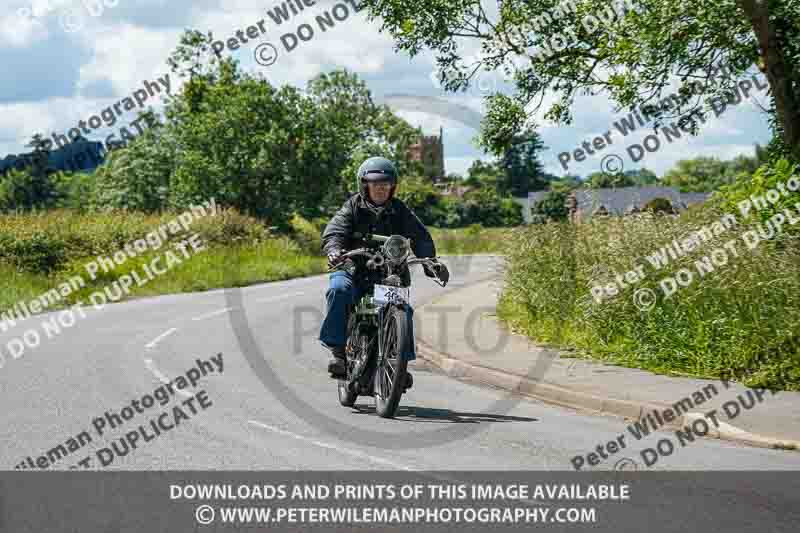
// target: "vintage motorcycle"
[[378, 328]]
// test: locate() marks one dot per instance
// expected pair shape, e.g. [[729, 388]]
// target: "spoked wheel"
[[390, 377], [346, 396]]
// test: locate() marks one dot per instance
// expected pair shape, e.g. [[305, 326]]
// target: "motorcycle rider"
[[374, 209]]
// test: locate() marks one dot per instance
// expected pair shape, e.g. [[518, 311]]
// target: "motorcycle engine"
[[393, 281]]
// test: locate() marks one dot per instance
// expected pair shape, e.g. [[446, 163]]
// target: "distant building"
[[583, 204], [81, 155], [429, 150]]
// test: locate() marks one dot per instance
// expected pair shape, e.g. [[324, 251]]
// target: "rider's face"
[[379, 191]]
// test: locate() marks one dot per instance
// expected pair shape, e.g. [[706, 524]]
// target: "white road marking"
[[385, 462], [152, 344], [214, 313], [281, 297], [151, 366], [330, 446]]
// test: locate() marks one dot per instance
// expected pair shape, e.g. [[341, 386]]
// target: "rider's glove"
[[334, 257], [437, 270]]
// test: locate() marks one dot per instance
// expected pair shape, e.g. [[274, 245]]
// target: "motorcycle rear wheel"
[[390, 376]]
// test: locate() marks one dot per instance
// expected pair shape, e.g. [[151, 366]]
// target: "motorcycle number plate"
[[385, 294]]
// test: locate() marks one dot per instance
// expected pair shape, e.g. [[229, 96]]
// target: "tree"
[[267, 151], [565, 183], [486, 207], [552, 206], [706, 174], [522, 168], [642, 177], [481, 174], [420, 196], [604, 180], [632, 58], [31, 187]]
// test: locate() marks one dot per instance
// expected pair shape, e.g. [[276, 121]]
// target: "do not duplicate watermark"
[[157, 266], [718, 257]]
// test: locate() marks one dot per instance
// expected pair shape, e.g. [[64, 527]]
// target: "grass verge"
[[741, 318]]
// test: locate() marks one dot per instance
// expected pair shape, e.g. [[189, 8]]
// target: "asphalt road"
[[124, 351]]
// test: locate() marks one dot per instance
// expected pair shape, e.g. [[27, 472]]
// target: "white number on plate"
[[385, 294]]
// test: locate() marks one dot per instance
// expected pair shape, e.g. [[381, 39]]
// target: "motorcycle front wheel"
[[390, 376]]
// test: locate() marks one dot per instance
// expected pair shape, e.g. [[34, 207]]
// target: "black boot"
[[409, 381], [337, 364]]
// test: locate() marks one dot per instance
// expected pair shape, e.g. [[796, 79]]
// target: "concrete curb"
[[566, 397]]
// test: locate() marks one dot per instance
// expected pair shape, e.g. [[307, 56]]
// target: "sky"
[[66, 60]]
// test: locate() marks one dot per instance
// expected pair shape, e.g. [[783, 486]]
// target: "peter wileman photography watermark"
[[71, 18], [108, 116], [686, 123], [645, 298], [147, 431], [267, 53], [31, 338], [694, 424]]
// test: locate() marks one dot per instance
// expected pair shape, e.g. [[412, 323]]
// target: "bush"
[[552, 206], [767, 177], [46, 242], [307, 234], [22, 190], [659, 205]]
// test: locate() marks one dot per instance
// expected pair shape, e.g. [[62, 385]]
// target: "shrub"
[[659, 205], [728, 198], [45, 242], [307, 234], [552, 206]]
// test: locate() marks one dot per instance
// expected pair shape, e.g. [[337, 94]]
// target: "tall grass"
[[473, 239], [39, 251], [742, 319]]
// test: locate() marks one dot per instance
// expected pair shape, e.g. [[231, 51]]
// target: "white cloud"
[[130, 43]]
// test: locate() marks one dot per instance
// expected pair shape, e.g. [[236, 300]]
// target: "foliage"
[[706, 174], [46, 241], [23, 190], [139, 176], [740, 318], [481, 205], [523, 172], [474, 239], [419, 194], [484, 174], [566, 183], [603, 180], [642, 177], [659, 205], [633, 59], [551, 207], [266, 151], [307, 234], [767, 177]]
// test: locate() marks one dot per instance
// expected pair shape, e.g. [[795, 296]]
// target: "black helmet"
[[376, 169]]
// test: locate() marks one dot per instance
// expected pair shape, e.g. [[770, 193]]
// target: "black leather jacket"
[[359, 216]]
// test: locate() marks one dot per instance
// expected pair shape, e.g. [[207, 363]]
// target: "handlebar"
[[430, 261]]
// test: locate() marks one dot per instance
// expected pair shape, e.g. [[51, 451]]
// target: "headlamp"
[[396, 249]]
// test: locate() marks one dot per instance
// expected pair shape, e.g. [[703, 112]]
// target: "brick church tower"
[[429, 150]]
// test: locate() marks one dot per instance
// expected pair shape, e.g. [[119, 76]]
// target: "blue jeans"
[[343, 291]]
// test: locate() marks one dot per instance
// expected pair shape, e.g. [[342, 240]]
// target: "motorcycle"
[[378, 328]]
